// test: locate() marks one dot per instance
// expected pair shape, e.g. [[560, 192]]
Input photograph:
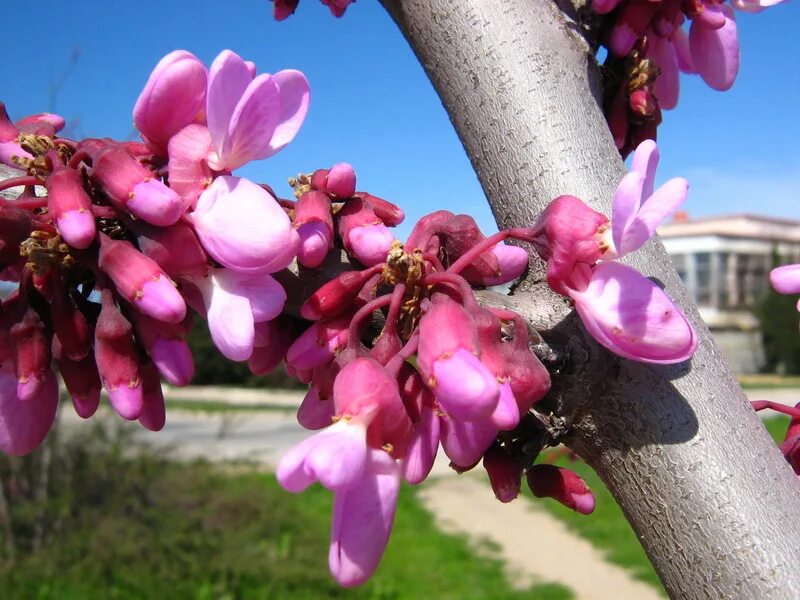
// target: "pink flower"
[[251, 118], [715, 51], [242, 226]]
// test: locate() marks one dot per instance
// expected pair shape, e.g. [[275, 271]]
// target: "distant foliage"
[[212, 368], [779, 325]]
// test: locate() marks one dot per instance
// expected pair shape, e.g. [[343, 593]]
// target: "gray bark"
[[713, 502]]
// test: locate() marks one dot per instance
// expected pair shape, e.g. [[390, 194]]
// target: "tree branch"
[[711, 498]]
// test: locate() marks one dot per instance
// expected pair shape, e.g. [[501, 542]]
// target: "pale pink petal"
[[422, 447], [652, 213], [189, 173], [242, 226], [506, 416], [633, 317], [266, 295], [667, 84], [645, 161], [715, 52], [230, 321], [295, 97], [683, 53], [252, 124], [362, 521], [228, 78], [371, 243], [626, 203], [786, 279], [464, 442], [336, 457]]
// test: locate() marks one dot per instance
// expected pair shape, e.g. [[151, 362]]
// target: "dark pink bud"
[[69, 205], [141, 281], [118, 360], [15, 228], [176, 249], [642, 102], [31, 354], [315, 412], [81, 380], [314, 223], [505, 473], [167, 347], [563, 485], [630, 24], [566, 234], [618, 117], [131, 186], [341, 181], [25, 425], [337, 7], [391, 214], [271, 342], [318, 344], [153, 415], [336, 296], [69, 324], [284, 8], [41, 124], [363, 234]]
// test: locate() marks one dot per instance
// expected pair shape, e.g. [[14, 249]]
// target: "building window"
[[703, 267], [679, 262]]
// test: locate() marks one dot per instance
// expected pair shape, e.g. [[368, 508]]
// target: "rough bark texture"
[[711, 498]]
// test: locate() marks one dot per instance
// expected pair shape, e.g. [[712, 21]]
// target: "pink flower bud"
[[41, 124], [118, 360], [505, 473], [340, 181], [153, 415], [15, 228], [174, 94], [131, 186], [271, 342], [391, 214], [70, 206], [319, 343], [566, 234], [465, 442], [336, 296], [786, 279], [69, 323], [549, 481], [176, 249], [512, 261], [31, 355], [314, 224], [25, 424], [447, 360], [81, 380], [337, 7], [364, 236], [642, 102], [315, 412], [189, 173], [167, 347], [141, 281], [284, 8]]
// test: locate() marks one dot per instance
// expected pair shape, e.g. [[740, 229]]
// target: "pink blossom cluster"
[[283, 9], [441, 369], [648, 48], [624, 311], [128, 234]]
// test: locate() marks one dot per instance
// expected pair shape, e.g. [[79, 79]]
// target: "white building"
[[725, 262]]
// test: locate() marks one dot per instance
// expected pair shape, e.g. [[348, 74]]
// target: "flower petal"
[[633, 317], [715, 52], [228, 78], [362, 521], [252, 124], [625, 205], [786, 279], [295, 97], [653, 212]]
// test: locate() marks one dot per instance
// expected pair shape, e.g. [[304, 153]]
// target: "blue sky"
[[373, 106]]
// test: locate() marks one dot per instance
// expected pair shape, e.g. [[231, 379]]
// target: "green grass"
[[769, 381], [777, 427], [145, 527]]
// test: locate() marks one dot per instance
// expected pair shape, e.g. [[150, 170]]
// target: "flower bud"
[[80, 378], [505, 473], [71, 208], [31, 354], [549, 481]]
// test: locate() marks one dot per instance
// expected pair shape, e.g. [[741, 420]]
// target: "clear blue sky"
[[372, 105]]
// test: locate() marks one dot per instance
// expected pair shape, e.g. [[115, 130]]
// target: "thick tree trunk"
[[711, 498]]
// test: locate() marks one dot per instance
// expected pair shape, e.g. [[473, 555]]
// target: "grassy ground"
[[149, 528], [769, 381]]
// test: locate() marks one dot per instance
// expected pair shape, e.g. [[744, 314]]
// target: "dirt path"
[[535, 546]]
